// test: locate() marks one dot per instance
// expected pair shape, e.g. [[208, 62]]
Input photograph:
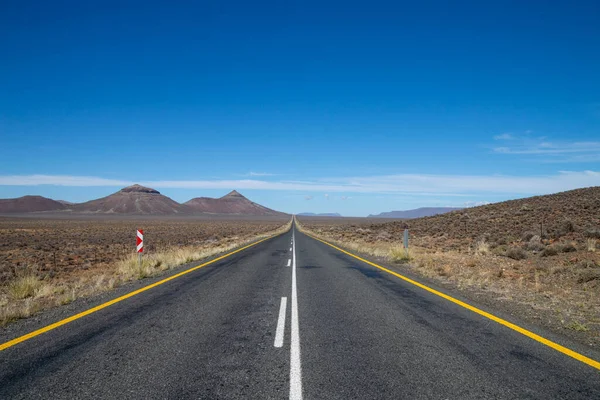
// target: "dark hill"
[[134, 199], [28, 204], [232, 203]]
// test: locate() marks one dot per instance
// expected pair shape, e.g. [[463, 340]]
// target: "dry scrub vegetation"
[[537, 257], [45, 263]]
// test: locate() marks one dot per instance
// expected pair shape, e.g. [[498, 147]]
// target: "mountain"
[[307, 214], [573, 214], [27, 204], [232, 203], [416, 213], [134, 199]]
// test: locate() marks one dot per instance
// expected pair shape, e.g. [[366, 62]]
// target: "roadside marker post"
[[406, 241], [140, 244]]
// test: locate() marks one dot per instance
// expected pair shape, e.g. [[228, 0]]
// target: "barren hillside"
[[28, 204], [232, 203]]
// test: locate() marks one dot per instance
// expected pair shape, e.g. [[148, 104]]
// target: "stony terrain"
[[539, 256], [44, 261]]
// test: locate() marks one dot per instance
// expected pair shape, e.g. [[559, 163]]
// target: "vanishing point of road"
[[289, 317]]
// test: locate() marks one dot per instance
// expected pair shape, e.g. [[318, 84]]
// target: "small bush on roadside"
[[24, 286], [549, 252], [400, 255], [516, 253], [576, 326]]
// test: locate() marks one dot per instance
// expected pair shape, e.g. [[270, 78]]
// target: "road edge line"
[[562, 349], [99, 307]]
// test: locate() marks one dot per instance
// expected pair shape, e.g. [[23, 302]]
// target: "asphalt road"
[[351, 332]]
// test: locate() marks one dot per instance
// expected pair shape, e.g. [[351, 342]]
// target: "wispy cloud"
[[307, 198], [409, 184], [546, 150], [260, 174], [504, 136]]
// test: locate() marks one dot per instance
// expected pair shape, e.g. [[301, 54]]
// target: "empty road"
[[290, 317]]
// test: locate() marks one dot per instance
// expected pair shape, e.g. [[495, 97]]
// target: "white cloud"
[[407, 184], [308, 198], [327, 196], [60, 180], [547, 150], [260, 174]]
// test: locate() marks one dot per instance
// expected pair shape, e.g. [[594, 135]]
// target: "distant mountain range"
[[138, 200], [307, 214], [416, 213]]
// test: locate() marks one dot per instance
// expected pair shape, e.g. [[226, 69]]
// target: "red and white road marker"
[[140, 241]]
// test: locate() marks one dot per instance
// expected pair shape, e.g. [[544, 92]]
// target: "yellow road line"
[[538, 338], [82, 314]]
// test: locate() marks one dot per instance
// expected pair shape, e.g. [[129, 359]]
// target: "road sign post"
[[406, 241], [140, 244]]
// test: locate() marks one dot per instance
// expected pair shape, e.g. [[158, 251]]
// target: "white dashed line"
[[281, 323]]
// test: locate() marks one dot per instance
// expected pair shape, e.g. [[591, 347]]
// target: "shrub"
[[567, 248], [566, 227], [527, 236], [593, 233], [400, 254], [482, 248], [591, 245], [576, 326], [549, 251], [24, 286], [535, 244], [526, 207], [516, 253]]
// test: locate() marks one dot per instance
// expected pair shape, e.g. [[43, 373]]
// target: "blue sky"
[[346, 107]]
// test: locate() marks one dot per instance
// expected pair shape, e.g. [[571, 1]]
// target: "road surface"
[[289, 318]]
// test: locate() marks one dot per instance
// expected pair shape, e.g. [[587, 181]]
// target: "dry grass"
[[32, 290], [482, 248], [399, 254], [591, 245], [24, 286]]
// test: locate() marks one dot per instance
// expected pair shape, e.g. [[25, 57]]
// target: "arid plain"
[[537, 258], [52, 260]]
